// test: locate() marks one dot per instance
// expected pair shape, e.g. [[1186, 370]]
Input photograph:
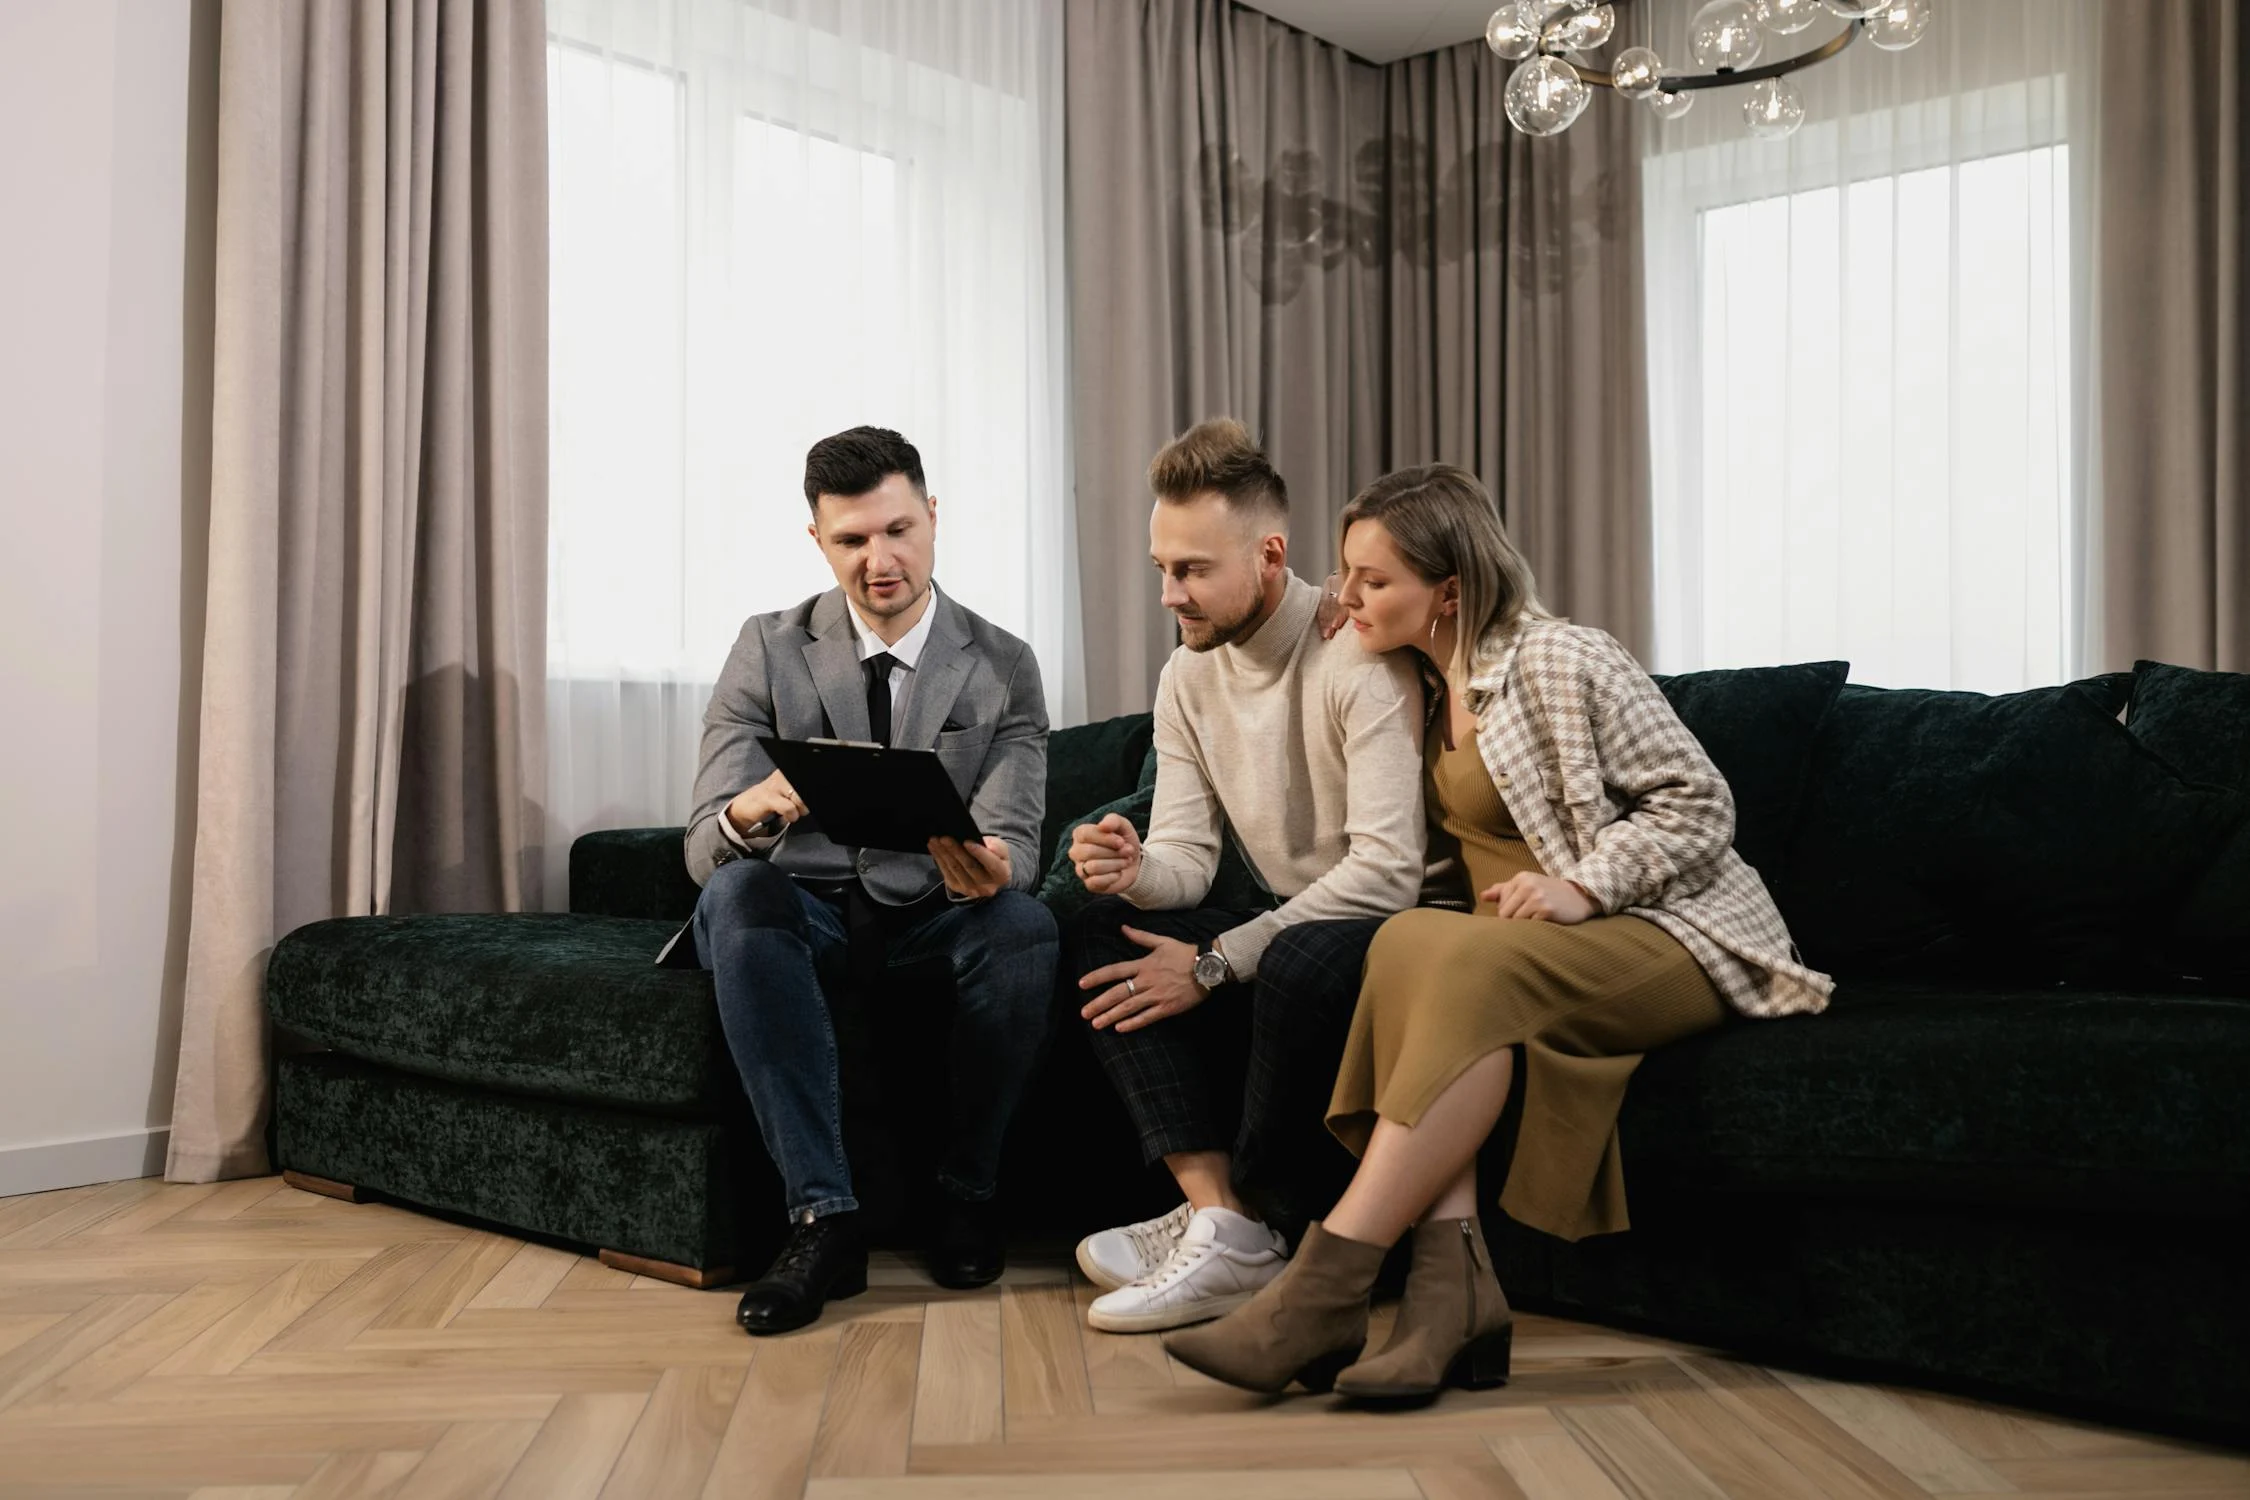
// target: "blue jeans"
[[774, 950]]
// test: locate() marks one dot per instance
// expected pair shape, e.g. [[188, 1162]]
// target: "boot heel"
[[1319, 1377], [849, 1283], [1484, 1364]]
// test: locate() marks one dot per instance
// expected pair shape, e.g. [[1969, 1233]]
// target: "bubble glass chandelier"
[[1726, 39]]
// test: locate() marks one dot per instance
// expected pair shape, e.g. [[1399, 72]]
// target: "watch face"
[[1210, 970]]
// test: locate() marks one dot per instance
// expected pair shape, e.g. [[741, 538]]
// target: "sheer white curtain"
[[1870, 357], [772, 220]]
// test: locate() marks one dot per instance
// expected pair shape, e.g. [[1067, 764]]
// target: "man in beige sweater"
[[1221, 1028]]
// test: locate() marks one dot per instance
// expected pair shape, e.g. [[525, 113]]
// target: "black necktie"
[[879, 696]]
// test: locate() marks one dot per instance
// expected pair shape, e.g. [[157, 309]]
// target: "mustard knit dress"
[[1443, 989]]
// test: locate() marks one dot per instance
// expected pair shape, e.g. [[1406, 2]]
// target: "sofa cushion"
[[2024, 837], [1092, 764], [2112, 691], [2210, 941], [1757, 725], [2200, 722], [2102, 1100], [1234, 886], [563, 1007]]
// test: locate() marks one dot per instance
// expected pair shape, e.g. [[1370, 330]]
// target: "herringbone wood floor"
[[247, 1339]]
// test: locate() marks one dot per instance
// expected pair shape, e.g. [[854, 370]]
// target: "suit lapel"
[[938, 680], [832, 655]]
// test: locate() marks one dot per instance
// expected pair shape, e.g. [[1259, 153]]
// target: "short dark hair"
[[854, 462], [1219, 455]]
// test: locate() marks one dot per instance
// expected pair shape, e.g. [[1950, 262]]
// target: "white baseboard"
[[104, 1158]]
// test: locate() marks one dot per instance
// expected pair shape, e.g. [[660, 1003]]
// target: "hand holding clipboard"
[[868, 796]]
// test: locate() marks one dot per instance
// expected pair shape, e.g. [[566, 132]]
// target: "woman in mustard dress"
[[1612, 916]]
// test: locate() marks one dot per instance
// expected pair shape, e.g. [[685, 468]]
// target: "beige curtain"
[[2173, 270], [1368, 266], [1514, 344], [375, 631], [1223, 230]]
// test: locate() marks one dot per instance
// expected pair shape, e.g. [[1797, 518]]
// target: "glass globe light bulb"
[[1513, 31], [1899, 24], [1724, 35], [1854, 10], [1669, 106], [1774, 109], [1787, 17], [1636, 73], [1545, 95], [1587, 29]]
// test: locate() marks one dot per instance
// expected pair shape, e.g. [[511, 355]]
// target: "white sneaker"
[[1118, 1257], [1206, 1277]]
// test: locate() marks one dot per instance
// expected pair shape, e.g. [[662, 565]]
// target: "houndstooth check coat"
[[1611, 790]]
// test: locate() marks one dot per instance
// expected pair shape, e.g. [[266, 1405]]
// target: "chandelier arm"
[[1687, 82]]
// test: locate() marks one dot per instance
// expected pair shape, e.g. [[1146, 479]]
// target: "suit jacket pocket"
[[970, 741]]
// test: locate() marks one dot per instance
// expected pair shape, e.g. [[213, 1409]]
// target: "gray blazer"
[[975, 698]]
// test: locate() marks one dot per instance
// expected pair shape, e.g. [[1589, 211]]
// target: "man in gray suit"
[[786, 914]]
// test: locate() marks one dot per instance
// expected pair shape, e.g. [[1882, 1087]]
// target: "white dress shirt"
[[906, 655]]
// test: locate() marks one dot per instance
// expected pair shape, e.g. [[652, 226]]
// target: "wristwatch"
[[1212, 968]]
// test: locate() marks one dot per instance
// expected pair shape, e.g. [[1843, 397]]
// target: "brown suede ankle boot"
[[1453, 1326], [1304, 1325]]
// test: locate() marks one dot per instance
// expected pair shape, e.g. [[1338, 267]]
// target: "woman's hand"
[[1145, 990], [1330, 614], [1540, 898]]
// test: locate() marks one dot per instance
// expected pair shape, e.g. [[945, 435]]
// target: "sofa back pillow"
[[2200, 722], [1757, 725], [2024, 837], [1092, 764]]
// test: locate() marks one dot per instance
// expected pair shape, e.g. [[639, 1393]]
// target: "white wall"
[[105, 195]]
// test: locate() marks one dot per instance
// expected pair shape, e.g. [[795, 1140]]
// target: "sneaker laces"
[[1153, 1235], [1183, 1259]]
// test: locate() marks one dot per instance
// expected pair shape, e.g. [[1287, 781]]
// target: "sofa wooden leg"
[[305, 1182], [702, 1279]]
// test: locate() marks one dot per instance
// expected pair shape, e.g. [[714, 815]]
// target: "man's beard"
[[1221, 632], [899, 603]]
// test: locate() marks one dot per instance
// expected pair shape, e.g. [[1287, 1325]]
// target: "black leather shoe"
[[968, 1250], [823, 1259]]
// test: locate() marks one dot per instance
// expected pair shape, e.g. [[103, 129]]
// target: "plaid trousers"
[[1250, 1070]]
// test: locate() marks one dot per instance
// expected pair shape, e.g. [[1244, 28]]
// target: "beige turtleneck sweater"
[[1311, 751]]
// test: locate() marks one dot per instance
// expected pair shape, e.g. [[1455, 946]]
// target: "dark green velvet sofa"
[[2013, 1156]]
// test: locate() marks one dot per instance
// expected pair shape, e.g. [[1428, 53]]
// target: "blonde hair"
[[1444, 524], [1220, 456]]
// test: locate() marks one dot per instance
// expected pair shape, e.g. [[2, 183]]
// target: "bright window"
[[1886, 435], [1863, 369]]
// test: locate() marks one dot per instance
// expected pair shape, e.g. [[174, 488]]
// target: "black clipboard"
[[869, 796]]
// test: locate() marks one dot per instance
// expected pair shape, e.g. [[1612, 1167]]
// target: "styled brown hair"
[[857, 460], [1444, 524], [1220, 455]]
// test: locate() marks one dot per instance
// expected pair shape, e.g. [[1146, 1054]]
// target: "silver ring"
[[1129, 989]]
